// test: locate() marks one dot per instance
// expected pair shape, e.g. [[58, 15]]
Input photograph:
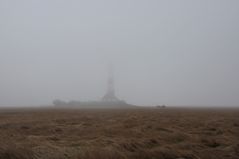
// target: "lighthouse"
[[110, 92]]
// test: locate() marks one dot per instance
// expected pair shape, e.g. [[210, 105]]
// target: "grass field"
[[119, 134]]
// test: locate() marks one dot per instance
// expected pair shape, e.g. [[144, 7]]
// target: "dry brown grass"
[[119, 134]]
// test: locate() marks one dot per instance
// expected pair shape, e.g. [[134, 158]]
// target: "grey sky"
[[164, 52]]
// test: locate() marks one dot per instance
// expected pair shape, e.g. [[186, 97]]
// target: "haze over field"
[[164, 52]]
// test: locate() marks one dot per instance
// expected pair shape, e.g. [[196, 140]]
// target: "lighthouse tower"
[[110, 93]]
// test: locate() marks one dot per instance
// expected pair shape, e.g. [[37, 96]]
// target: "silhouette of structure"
[[110, 93]]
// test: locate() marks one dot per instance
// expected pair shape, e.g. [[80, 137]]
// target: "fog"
[[164, 52]]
